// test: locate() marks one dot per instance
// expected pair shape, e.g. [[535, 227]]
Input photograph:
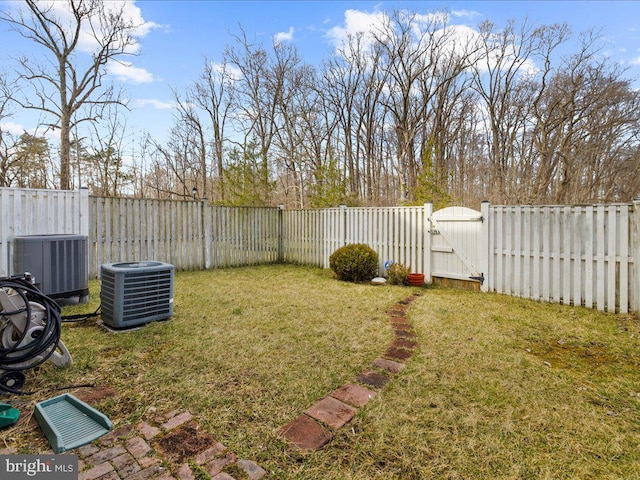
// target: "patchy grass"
[[499, 387], [246, 351]]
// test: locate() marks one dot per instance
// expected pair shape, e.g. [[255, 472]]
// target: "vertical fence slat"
[[600, 257], [589, 256], [612, 224], [578, 275], [623, 237], [634, 256]]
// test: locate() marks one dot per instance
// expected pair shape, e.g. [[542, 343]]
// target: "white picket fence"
[[579, 255]]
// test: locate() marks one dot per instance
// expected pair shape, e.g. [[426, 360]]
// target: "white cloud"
[[357, 22], [12, 128], [230, 72], [635, 61], [284, 36], [125, 71], [465, 13], [449, 39], [17, 129], [157, 104]]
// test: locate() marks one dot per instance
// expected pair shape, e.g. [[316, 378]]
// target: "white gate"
[[456, 244]]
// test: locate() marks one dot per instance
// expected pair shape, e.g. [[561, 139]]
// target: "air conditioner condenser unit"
[[58, 263], [136, 293]]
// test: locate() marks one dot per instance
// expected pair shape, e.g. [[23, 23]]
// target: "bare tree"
[[503, 82], [260, 87], [414, 49], [67, 88], [106, 172], [8, 141], [195, 145], [214, 93], [355, 86]]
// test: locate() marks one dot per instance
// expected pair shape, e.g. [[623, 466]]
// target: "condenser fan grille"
[[136, 293]]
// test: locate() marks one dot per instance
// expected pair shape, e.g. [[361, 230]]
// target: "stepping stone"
[[404, 343], [305, 433], [394, 353], [373, 379], [252, 469], [177, 420], [185, 472], [332, 412], [404, 327], [355, 395], [405, 334], [148, 431], [209, 454], [223, 476], [215, 466], [399, 321], [388, 365]]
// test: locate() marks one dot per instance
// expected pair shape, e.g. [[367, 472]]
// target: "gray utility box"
[[59, 263], [136, 293]]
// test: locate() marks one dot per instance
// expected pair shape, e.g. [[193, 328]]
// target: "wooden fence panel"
[[132, 230], [396, 233], [304, 235], [577, 255], [243, 235], [189, 235]]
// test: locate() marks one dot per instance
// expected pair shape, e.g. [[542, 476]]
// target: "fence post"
[[635, 252], [280, 258], [426, 251], [342, 225], [83, 211], [485, 248], [206, 233]]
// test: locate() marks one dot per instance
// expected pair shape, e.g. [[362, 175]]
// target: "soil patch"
[[93, 395], [575, 355], [184, 443]]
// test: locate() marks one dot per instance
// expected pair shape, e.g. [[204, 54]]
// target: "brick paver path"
[[316, 426], [129, 453]]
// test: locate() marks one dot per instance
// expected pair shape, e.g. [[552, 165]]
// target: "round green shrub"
[[355, 262]]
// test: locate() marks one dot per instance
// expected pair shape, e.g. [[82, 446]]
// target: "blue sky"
[[180, 33]]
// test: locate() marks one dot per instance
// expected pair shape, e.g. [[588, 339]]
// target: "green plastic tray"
[[8, 415], [69, 423]]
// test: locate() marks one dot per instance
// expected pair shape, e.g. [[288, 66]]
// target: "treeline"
[[414, 110]]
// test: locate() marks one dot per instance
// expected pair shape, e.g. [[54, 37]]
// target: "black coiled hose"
[[17, 358]]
